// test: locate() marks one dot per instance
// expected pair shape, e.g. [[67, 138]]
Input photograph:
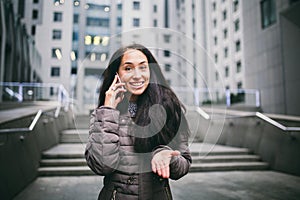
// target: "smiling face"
[[134, 72]]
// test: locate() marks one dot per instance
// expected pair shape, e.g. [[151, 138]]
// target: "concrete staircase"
[[67, 159], [209, 157]]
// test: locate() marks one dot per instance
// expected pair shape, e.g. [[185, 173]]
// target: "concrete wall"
[[20, 158], [278, 148], [291, 71]]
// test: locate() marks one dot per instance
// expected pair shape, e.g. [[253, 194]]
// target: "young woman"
[[138, 133]]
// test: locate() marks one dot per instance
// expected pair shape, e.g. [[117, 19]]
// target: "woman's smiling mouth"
[[136, 84]]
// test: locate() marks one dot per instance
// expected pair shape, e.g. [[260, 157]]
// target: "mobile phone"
[[119, 79]]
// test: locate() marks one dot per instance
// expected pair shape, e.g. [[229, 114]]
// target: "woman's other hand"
[[161, 162], [115, 94]]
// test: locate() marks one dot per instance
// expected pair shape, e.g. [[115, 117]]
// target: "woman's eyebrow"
[[130, 63]]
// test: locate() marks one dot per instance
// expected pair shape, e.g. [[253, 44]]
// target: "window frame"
[[57, 17], [56, 34], [54, 70], [268, 13]]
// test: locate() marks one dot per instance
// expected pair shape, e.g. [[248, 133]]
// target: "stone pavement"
[[194, 186]]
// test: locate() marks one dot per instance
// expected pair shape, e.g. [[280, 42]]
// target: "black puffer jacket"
[[128, 175]]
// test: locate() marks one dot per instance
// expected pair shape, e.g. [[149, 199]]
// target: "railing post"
[[20, 93], [196, 96], [257, 95], [228, 97], [59, 96]]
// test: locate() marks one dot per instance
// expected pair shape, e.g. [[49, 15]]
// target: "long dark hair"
[[157, 92]]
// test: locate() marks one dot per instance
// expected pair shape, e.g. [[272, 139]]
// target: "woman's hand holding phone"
[[115, 94]]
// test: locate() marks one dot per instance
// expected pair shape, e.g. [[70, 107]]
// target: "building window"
[[240, 85], [56, 34], [166, 14], [216, 40], [56, 53], [35, 1], [119, 6], [93, 21], [74, 55], [217, 76], [55, 71], [226, 71], [235, 5], [73, 70], [57, 16], [33, 29], [167, 38], [58, 2], [136, 5], [75, 18], [237, 46], [155, 22], [214, 6], [167, 53], [238, 66], [225, 33], [136, 22], [225, 52], [167, 67], [75, 36], [76, 3], [35, 14], [155, 8], [216, 58], [52, 91], [215, 23], [237, 25], [224, 15], [268, 13], [119, 21]]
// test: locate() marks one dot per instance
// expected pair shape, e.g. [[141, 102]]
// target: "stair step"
[[62, 155], [63, 162], [68, 159], [65, 171], [228, 166], [220, 153], [74, 136], [64, 151], [205, 149], [225, 158]]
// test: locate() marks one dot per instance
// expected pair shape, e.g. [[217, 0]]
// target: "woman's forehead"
[[134, 56]]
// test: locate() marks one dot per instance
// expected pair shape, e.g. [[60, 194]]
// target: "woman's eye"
[[127, 68], [143, 67]]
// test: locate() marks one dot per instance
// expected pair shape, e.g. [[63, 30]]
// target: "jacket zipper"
[[114, 195], [169, 196]]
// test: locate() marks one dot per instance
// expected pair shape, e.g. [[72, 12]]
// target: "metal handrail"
[[62, 95], [26, 129], [275, 123], [260, 115]]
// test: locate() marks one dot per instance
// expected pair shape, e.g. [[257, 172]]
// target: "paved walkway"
[[194, 186]]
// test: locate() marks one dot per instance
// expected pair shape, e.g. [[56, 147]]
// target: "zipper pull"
[[114, 195]]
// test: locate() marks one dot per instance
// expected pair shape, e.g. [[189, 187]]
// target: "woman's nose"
[[137, 73]]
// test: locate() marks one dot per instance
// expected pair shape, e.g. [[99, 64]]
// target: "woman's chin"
[[137, 92]]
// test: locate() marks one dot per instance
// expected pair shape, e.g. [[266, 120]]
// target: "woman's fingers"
[[161, 161], [175, 153], [115, 93]]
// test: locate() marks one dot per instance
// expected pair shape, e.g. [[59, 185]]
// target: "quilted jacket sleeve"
[[102, 149], [179, 165]]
